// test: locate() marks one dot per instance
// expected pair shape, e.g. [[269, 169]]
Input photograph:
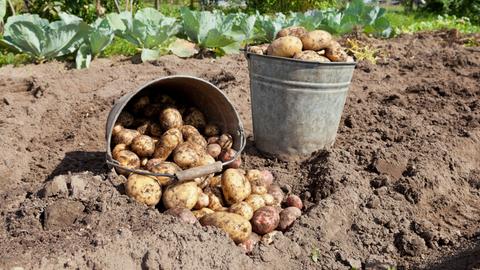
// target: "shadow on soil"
[[464, 260], [80, 161]]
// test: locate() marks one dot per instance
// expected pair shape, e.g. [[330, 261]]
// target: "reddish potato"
[[288, 217], [267, 177], [265, 220], [213, 139], [295, 201], [228, 155], [185, 215]]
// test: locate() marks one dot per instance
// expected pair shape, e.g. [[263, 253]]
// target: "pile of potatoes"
[[296, 42], [159, 135]]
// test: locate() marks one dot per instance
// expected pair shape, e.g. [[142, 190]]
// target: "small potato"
[[235, 186], [143, 146], [236, 226], [213, 139], [214, 150], [125, 136], [228, 155], [255, 201], [196, 118], [285, 46], [144, 128], [184, 194], [249, 244], [202, 212], [243, 209], [265, 220], [143, 189], [185, 215], [335, 52], [316, 40], [117, 149], [167, 143], [211, 130], [255, 50], [152, 110], [155, 130], [170, 118], [311, 56], [277, 193], [140, 103], [267, 177], [116, 129], [259, 189], [288, 217], [256, 180], [225, 141], [125, 119], [164, 100], [214, 202], [269, 200], [127, 159], [296, 31], [186, 156], [160, 166], [294, 200], [203, 200]]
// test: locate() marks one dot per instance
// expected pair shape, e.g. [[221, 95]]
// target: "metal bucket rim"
[[313, 63]]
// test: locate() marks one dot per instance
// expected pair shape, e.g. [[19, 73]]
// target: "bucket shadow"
[[80, 161], [464, 260]]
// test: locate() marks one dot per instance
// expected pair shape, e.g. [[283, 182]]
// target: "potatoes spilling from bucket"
[[296, 42], [161, 135]]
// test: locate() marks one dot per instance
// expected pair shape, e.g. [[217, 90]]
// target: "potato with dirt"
[[211, 130], [203, 200], [256, 201], [127, 159], [259, 49], [256, 181], [214, 150], [118, 148], [225, 141], [186, 156], [155, 129], [166, 167], [185, 215], [294, 200], [316, 40], [265, 220], [277, 193], [249, 244], [191, 134], [184, 195], [295, 31], [285, 47], [235, 186], [152, 110], [167, 143], [336, 53], [202, 212], [143, 189], [311, 56], [170, 118], [268, 199], [236, 226], [125, 119], [243, 209], [288, 217], [124, 135], [267, 177], [194, 117], [143, 146]]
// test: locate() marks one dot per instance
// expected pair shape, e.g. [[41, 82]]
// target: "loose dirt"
[[401, 186]]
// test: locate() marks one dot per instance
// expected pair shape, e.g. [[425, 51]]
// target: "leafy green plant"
[[40, 39], [148, 30], [315, 255]]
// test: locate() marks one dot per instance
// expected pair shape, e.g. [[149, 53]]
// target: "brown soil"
[[401, 186]]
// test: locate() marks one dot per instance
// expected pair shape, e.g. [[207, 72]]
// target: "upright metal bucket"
[[207, 97], [296, 105]]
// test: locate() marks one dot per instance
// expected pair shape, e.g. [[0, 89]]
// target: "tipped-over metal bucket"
[[296, 104], [190, 90]]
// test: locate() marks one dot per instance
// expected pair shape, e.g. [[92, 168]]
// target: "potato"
[[143, 146], [143, 189], [170, 118], [255, 50], [125, 119], [184, 194], [311, 56], [155, 129], [335, 52], [214, 150], [164, 100], [295, 31], [199, 140], [202, 212], [277, 193], [125, 136], [228, 155], [211, 130], [265, 220], [259, 189], [144, 162], [140, 103], [214, 202], [294, 200], [188, 131], [203, 200], [256, 181], [186, 156], [196, 118], [144, 128], [316, 40], [235, 186], [225, 141], [253, 175], [255, 201], [267, 177], [160, 166], [243, 209], [216, 181], [127, 159], [269, 200], [118, 148], [116, 129], [185, 215], [350, 59], [213, 139], [249, 244], [152, 110], [167, 144], [288, 217], [236, 226], [285, 46], [268, 238]]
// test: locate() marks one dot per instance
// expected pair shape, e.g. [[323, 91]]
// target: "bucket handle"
[[190, 173]]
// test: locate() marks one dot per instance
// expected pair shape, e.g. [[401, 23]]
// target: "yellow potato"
[[296, 31], [235, 186], [243, 209], [170, 118], [168, 142], [143, 189], [127, 159], [125, 136], [211, 130], [236, 226], [269, 200], [285, 46], [155, 129], [186, 156], [277, 193], [316, 40], [196, 118], [256, 201], [214, 202], [143, 146], [311, 56], [191, 134], [203, 200], [184, 195], [216, 181], [256, 181], [199, 140], [118, 148], [335, 52], [144, 128], [214, 150], [202, 212], [159, 166]]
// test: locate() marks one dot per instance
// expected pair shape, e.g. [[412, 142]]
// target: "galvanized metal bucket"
[[296, 104], [200, 93]]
